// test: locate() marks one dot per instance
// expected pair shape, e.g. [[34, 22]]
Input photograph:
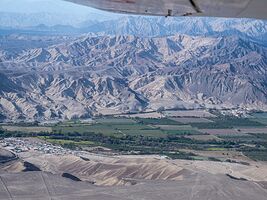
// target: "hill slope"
[[128, 73]]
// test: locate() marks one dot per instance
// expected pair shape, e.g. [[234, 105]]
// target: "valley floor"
[[128, 177], [128, 157]]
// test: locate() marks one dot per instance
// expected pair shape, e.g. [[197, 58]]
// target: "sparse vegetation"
[[154, 136], [228, 123], [163, 121]]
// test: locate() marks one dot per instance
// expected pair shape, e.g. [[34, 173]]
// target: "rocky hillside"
[[127, 73], [255, 30], [193, 26]]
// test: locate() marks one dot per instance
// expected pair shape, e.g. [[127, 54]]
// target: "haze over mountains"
[[133, 25], [136, 64]]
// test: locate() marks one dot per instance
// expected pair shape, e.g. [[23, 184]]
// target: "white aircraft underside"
[[216, 8]]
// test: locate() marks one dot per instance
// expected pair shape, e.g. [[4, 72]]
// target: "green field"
[[114, 129], [260, 120], [257, 154], [238, 138], [119, 127], [154, 136], [260, 117], [163, 121], [228, 123], [182, 132], [28, 129], [262, 136]]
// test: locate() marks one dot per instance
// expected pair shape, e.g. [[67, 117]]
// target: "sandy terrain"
[[130, 178], [188, 113], [105, 170], [195, 186], [106, 111], [144, 115], [222, 154], [6, 155], [254, 172], [109, 171]]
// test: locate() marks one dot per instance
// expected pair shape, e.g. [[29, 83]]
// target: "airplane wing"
[[215, 8]]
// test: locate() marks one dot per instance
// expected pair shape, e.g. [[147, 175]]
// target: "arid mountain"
[[255, 30], [193, 26], [127, 73]]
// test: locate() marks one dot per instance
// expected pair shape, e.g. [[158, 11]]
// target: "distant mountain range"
[[255, 30], [161, 26], [81, 77], [24, 20]]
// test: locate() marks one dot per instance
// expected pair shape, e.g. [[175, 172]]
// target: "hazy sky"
[[51, 6], [60, 12]]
